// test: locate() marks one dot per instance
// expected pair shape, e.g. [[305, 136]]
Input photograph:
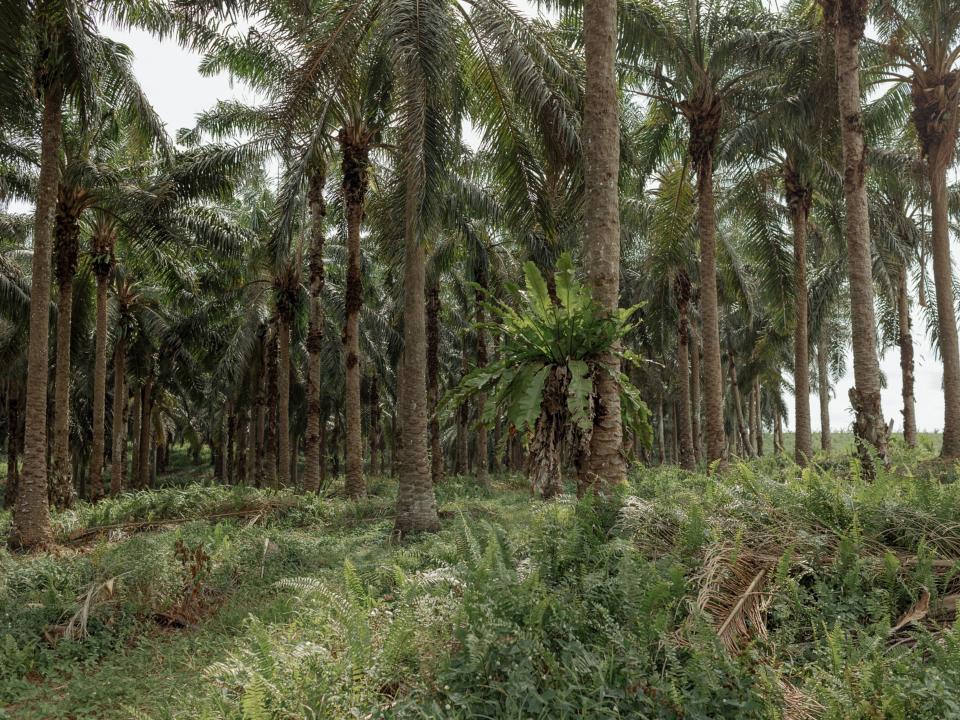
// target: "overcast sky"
[[171, 80]]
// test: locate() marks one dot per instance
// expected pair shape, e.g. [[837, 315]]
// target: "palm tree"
[[846, 21], [922, 40], [692, 64], [605, 466]]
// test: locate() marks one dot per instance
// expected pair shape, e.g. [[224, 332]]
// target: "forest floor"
[[763, 592]]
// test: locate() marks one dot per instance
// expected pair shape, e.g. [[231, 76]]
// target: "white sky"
[[169, 75]]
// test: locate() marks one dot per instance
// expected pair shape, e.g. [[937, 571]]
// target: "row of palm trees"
[[692, 155]]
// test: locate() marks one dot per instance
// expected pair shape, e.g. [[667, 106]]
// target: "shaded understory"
[[762, 593]]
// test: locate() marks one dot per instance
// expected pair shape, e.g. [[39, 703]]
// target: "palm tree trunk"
[[482, 459], [823, 383], [375, 432], [95, 484], [243, 435], [318, 210], [433, 380], [136, 415], [606, 465], [283, 400], [117, 453], [684, 424], [757, 397], [66, 248], [13, 432], [31, 513], [416, 502], [738, 408], [777, 433], [905, 340], [694, 345], [848, 19], [937, 162], [712, 371], [146, 434], [798, 198], [355, 164]]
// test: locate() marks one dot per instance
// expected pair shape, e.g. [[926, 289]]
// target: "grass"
[[764, 592]]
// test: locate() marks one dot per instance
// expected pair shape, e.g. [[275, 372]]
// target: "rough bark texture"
[[416, 502], [136, 415], [355, 164], [463, 421], [312, 449], [744, 433], [66, 251], [799, 199], [31, 513], [433, 380], [95, 484], [823, 384], [757, 398], [606, 465], [695, 393], [482, 458], [376, 456], [847, 18], [712, 371], [905, 341], [146, 434], [935, 115], [283, 401], [13, 432], [119, 445], [268, 470], [687, 458]]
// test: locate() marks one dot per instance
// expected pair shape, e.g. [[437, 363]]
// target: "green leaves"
[[564, 335]]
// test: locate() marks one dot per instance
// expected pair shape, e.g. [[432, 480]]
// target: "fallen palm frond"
[[255, 511]]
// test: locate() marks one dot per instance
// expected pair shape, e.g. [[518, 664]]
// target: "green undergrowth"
[[763, 592]]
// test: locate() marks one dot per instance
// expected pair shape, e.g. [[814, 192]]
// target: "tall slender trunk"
[[463, 421], [66, 250], [848, 20], [263, 388], [119, 444], [323, 451], [355, 152], [905, 340], [684, 425], [823, 383], [283, 401], [95, 484], [777, 432], [661, 432], [433, 379], [482, 459], [13, 432], [146, 433], [946, 309], [757, 398], [230, 454], [752, 418], [606, 465], [738, 408], [136, 415], [243, 433], [799, 199], [709, 314], [416, 502], [375, 432], [695, 393], [31, 513], [312, 449]]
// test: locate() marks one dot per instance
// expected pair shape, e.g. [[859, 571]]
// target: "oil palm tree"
[[846, 22], [695, 62], [922, 42]]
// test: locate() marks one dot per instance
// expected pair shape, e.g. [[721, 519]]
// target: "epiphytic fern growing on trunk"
[[543, 383]]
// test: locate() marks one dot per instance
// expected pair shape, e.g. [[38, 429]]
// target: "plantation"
[[765, 592], [454, 359]]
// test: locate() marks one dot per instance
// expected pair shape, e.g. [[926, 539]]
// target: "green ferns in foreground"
[[764, 593]]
